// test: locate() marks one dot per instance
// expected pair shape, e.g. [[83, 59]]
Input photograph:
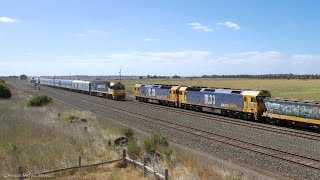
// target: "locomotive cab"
[[136, 90], [253, 103], [117, 90], [174, 95]]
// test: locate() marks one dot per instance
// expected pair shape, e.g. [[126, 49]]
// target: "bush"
[[160, 139], [133, 149], [128, 132], [4, 90], [39, 100], [157, 140], [23, 77], [167, 151], [149, 144]]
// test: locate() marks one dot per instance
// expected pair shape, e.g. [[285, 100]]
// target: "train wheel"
[[198, 108], [224, 113]]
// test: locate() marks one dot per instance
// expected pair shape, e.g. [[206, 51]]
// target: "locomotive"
[[238, 103]]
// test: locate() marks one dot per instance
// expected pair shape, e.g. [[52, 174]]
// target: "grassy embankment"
[[301, 89], [53, 136], [39, 140]]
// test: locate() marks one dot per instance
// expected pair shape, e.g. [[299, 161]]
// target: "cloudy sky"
[[167, 37]]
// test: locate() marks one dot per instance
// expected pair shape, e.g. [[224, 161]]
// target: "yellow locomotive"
[[246, 104]]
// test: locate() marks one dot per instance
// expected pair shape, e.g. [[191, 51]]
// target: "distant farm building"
[[23, 77]]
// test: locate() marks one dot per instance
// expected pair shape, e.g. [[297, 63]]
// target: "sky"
[[153, 37]]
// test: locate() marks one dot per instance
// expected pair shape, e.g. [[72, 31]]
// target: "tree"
[[4, 91], [23, 77]]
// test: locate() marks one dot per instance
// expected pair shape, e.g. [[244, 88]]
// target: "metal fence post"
[[144, 167], [166, 174], [20, 173], [79, 161]]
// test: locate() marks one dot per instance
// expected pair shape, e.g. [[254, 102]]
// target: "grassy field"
[[300, 89]]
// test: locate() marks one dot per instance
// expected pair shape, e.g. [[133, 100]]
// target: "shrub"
[[39, 100], [23, 77], [167, 151], [128, 132], [149, 144], [133, 149], [4, 90], [157, 140], [67, 118]]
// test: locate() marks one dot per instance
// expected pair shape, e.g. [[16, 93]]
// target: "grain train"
[[238, 103], [110, 90]]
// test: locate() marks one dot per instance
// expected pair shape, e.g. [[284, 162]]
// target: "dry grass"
[[37, 139], [303, 89], [109, 172], [183, 165]]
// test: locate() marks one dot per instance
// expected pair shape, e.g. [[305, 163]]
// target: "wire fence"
[[125, 159]]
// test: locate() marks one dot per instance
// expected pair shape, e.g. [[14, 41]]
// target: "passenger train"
[[110, 90]]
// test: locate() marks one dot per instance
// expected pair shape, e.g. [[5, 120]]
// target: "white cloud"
[[95, 31], [8, 20], [79, 34], [305, 58], [151, 39], [181, 62], [267, 57], [200, 27], [230, 25], [89, 32], [162, 57]]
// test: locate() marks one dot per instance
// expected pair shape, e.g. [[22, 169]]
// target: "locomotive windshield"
[[260, 98], [117, 87]]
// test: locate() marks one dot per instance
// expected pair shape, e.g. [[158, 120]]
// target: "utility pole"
[[120, 74]]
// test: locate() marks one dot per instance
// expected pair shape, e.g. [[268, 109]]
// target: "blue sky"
[[168, 37]]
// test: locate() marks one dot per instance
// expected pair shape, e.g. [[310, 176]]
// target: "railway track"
[[237, 143], [244, 123]]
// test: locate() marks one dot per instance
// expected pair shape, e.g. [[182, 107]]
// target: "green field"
[[300, 89]]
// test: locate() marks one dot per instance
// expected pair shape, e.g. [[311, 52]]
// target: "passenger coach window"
[[253, 100], [245, 98]]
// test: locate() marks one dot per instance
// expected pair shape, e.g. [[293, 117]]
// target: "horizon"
[[163, 76], [165, 38]]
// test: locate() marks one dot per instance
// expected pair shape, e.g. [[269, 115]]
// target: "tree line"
[[267, 76], [248, 76]]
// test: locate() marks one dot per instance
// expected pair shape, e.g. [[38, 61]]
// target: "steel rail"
[[287, 131]]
